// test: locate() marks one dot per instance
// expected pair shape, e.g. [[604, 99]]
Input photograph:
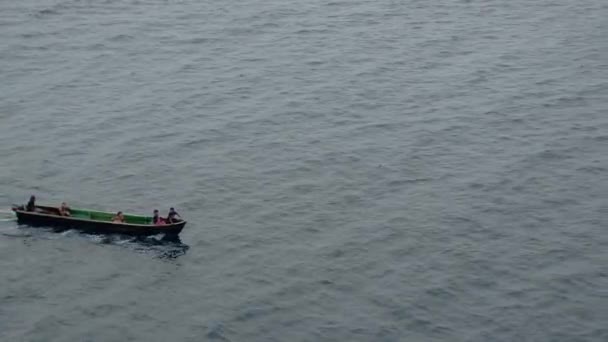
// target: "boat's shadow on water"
[[160, 246]]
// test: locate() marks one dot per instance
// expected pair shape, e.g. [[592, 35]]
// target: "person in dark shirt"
[[173, 216], [31, 205]]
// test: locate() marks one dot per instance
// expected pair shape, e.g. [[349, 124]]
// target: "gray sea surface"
[[350, 170]]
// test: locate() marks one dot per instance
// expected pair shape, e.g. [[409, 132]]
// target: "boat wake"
[[7, 215], [16, 235]]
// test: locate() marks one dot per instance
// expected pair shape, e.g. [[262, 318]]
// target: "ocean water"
[[350, 170]]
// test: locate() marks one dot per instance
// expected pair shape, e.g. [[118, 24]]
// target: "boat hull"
[[36, 219]]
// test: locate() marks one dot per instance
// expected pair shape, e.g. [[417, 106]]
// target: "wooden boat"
[[97, 222]]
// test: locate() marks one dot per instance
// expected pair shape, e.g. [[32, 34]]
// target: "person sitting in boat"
[[31, 205], [118, 218], [156, 219], [64, 210], [172, 216]]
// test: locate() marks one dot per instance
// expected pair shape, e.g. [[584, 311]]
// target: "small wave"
[[311, 31], [120, 37], [216, 332], [46, 12], [337, 3], [199, 40], [401, 182], [597, 170], [601, 138], [31, 35], [68, 232]]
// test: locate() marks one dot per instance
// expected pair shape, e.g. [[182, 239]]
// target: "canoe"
[[97, 222]]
